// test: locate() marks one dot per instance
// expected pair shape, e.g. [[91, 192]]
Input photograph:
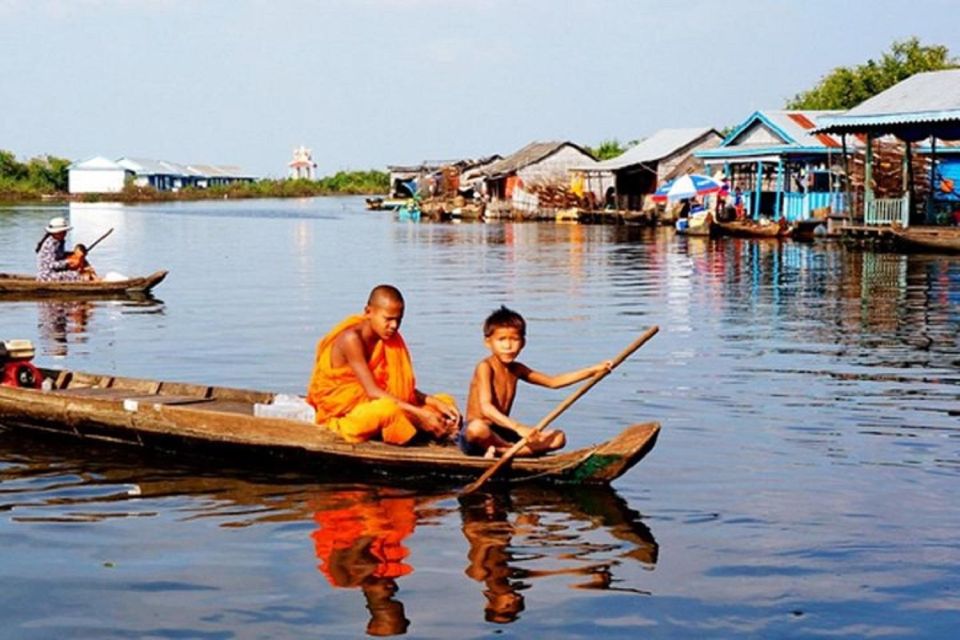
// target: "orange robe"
[[364, 539], [342, 403]]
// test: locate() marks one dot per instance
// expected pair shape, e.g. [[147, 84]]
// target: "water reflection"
[[508, 532], [359, 541], [61, 323], [360, 534], [57, 320]]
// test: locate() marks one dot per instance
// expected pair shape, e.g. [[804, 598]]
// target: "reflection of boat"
[[929, 238], [27, 287], [409, 212], [220, 421], [374, 204], [696, 224], [753, 229]]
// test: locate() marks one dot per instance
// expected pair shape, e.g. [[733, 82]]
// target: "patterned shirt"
[[52, 263]]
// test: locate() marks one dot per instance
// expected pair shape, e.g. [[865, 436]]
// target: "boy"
[[489, 428]]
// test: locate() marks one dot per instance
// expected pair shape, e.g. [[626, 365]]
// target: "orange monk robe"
[[342, 403], [364, 540]]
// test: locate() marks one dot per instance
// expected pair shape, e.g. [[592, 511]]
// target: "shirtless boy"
[[490, 430]]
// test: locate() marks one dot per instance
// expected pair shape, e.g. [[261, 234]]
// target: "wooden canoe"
[[945, 239], [27, 287], [751, 229], [219, 422]]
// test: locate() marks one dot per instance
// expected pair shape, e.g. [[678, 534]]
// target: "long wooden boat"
[[752, 229], [24, 286], [219, 422], [945, 239]]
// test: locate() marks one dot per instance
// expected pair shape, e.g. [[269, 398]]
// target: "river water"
[[804, 483]]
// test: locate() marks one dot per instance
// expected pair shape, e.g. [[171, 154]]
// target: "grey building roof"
[[528, 155], [661, 144], [923, 104]]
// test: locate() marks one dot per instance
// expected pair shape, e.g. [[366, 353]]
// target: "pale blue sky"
[[366, 83]]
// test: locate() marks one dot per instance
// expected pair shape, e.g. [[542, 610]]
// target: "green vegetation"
[[47, 176], [846, 87], [341, 183], [607, 149], [29, 180]]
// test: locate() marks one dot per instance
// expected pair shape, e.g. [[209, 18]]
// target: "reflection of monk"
[[488, 531], [359, 542]]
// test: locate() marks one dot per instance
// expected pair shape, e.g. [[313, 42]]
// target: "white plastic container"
[[287, 407]]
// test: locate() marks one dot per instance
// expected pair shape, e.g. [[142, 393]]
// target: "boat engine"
[[16, 368]]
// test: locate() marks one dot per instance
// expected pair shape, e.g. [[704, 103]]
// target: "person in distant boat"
[[489, 428], [54, 262], [363, 386]]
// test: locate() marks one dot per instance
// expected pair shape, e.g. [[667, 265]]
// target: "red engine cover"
[[20, 374]]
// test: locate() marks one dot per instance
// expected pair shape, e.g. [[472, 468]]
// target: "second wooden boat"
[[221, 422], [752, 229], [26, 286], [945, 239]]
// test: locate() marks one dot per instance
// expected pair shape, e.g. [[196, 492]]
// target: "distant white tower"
[[302, 165]]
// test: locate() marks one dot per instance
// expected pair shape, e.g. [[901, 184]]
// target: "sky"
[[368, 83]]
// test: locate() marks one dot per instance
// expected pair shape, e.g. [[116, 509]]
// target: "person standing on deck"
[[54, 262], [363, 386]]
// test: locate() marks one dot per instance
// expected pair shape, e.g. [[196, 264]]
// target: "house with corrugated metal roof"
[[164, 175], [537, 164], [921, 110], [636, 173], [779, 166]]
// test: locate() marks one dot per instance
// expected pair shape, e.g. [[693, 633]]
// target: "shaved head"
[[383, 294]]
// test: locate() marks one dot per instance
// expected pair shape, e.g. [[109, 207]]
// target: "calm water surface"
[[804, 484]]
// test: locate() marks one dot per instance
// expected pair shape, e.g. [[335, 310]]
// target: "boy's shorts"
[[474, 449]]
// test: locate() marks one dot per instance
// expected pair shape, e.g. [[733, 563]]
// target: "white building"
[[96, 175]]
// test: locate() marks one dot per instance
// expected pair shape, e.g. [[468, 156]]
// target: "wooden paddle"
[[99, 240], [560, 408]]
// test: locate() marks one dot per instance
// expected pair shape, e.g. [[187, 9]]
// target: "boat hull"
[[218, 422], [27, 287], [939, 239], [750, 229]]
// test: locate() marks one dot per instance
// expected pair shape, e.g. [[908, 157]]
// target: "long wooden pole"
[[99, 240], [560, 408]]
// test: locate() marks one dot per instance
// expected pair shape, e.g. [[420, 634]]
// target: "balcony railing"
[[884, 211]]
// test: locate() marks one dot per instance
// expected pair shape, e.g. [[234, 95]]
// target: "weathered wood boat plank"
[[177, 417]]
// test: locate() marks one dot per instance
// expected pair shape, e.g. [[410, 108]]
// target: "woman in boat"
[[54, 262]]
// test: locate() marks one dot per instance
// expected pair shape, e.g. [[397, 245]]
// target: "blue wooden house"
[[781, 167]]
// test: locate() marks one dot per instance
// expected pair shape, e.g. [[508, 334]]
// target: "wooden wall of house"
[[555, 168]]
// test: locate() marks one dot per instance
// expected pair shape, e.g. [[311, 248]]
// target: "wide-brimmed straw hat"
[[57, 225]]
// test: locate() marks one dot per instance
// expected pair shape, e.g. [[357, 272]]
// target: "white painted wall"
[[96, 180]]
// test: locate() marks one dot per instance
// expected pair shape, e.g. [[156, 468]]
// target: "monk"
[[363, 386]]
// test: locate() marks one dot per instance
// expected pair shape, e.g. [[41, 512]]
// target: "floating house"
[[538, 164], [436, 177], [97, 175], [923, 110], [626, 181], [781, 166]]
